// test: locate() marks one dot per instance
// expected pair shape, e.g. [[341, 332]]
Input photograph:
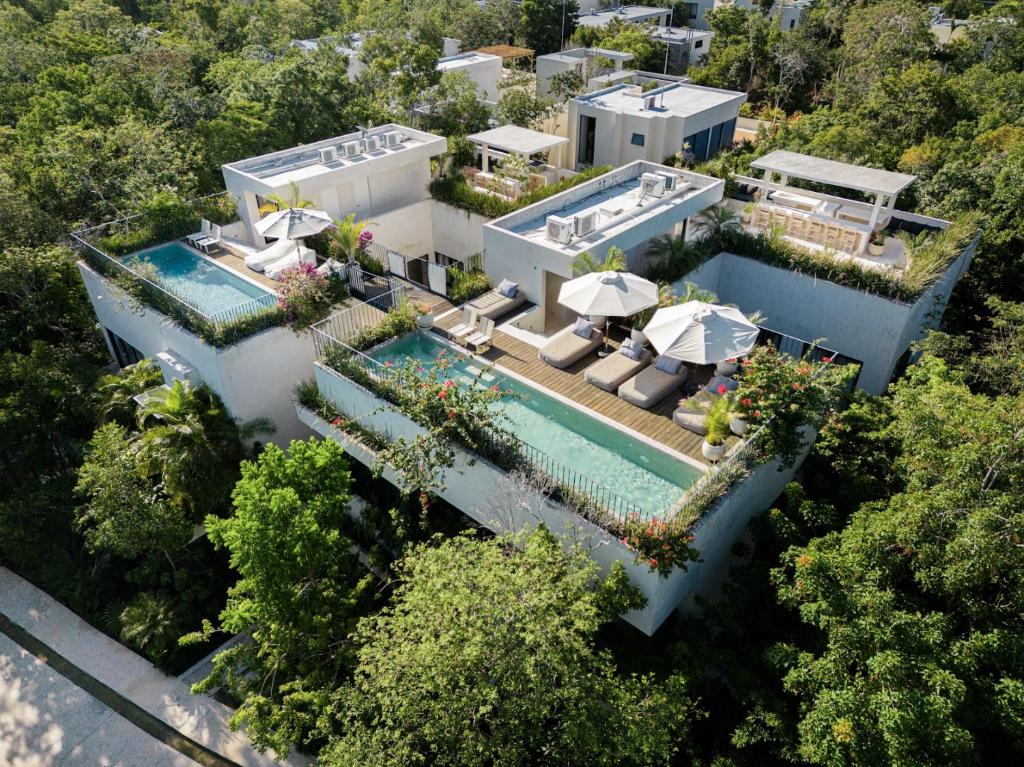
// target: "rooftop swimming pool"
[[215, 291], [638, 472]]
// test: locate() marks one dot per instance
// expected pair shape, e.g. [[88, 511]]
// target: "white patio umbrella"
[[608, 294], [701, 333], [293, 223]]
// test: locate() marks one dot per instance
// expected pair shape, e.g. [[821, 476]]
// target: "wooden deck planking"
[[657, 424]]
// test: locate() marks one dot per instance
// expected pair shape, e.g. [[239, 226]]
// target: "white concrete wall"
[[254, 377], [407, 230], [861, 325], [484, 72], [457, 233], [481, 491]]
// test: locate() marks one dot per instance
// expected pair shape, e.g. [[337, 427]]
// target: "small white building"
[[481, 68], [687, 47], [350, 47], [629, 14], [789, 13], [590, 63], [623, 123], [626, 208], [370, 173]]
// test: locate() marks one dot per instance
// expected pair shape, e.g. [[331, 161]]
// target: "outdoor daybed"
[[692, 413], [264, 258], [493, 304], [615, 369], [567, 346], [652, 384]]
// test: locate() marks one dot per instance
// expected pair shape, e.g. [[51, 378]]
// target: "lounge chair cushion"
[[668, 365], [650, 386], [508, 288], [299, 256], [631, 349], [493, 305], [264, 258], [692, 413], [565, 347], [613, 370], [583, 328], [718, 381]]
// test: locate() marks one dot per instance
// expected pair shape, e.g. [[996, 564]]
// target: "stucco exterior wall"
[[457, 233]]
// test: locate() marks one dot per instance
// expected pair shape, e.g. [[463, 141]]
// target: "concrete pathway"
[[46, 721], [197, 717]]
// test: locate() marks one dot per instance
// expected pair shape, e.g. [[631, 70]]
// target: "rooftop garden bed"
[[929, 258], [453, 189]]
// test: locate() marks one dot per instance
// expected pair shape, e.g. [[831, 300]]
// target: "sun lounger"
[[467, 327], [650, 386], [692, 413], [615, 369], [203, 233], [210, 240], [483, 337], [260, 261], [298, 256], [566, 347], [494, 305]]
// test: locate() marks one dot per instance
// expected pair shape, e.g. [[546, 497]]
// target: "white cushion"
[[583, 328], [668, 365], [508, 288], [631, 349]]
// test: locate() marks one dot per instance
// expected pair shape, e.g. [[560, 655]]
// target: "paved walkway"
[[116, 669]]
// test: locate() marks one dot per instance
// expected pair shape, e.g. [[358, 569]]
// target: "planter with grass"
[[717, 427]]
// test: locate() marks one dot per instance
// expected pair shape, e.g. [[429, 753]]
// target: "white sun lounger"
[[298, 256], [264, 258]]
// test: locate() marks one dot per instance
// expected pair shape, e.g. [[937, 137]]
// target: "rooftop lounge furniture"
[[652, 384], [717, 382], [493, 304], [465, 328], [300, 255], [205, 228], [615, 369], [692, 413], [567, 346], [483, 336], [211, 239], [264, 258]]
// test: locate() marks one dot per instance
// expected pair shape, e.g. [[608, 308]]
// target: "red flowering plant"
[[783, 395], [306, 296], [660, 545], [451, 413]]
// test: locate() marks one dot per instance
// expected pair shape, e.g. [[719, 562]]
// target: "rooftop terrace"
[[676, 98], [628, 13]]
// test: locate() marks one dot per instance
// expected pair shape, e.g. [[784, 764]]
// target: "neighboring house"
[[351, 46], [623, 123], [687, 47], [790, 13], [590, 63], [483, 69], [629, 14]]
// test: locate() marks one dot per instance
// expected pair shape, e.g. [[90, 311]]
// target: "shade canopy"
[[293, 223], [701, 333], [608, 294]]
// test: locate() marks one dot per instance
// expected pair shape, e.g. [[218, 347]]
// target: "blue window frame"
[[637, 139]]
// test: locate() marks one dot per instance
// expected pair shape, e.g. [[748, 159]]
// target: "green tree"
[[300, 591], [486, 656], [547, 23]]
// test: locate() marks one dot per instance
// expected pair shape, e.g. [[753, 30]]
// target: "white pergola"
[[513, 139], [884, 185]]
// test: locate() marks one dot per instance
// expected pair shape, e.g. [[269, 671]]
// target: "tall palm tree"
[[346, 235], [585, 262], [276, 202], [115, 393], [717, 221]]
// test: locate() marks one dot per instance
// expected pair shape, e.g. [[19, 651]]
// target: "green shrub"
[[467, 285]]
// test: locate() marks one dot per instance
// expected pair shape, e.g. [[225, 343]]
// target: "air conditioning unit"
[[671, 179], [652, 185], [649, 102], [350, 148], [371, 143], [328, 154], [559, 229], [392, 138], [585, 224]]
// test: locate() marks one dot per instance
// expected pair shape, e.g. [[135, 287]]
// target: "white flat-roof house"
[[626, 208], [629, 14], [623, 123], [588, 62], [482, 68], [789, 13], [687, 47], [350, 46], [371, 173]]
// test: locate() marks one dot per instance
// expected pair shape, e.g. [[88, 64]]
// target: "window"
[[792, 23], [637, 139], [124, 352], [698, 44]]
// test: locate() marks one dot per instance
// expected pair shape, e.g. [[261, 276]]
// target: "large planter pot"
[[638, 336], [876, 249], [726, 368], [738, 426], [713, 453], [425, 321]]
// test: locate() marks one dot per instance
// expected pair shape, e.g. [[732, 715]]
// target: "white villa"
[[483, 69], [629, 14], [588, 62], [623, 123]]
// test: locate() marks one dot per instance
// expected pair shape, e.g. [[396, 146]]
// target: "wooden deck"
[[521, 357], [235, 261]]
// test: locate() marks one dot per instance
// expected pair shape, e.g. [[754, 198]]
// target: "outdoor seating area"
[[523, 155]]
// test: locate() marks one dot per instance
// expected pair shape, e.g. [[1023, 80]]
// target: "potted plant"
[[741, 404], [748, 213], [876, 245], [717, 430], [424, 316], [727, 367]]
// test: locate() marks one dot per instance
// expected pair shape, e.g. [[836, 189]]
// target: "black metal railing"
[[344, 326]]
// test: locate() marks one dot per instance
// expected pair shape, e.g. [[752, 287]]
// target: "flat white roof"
[[581, 54], [448, 63], [834, 173], [680, 34], [627, 13], [678, 98], [512, 138]]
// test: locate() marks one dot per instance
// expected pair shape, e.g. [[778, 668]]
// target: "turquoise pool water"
[[208, 287], [635, 471]]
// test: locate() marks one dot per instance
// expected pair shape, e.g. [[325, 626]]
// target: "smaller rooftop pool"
[[633, 469], [214, 290]]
